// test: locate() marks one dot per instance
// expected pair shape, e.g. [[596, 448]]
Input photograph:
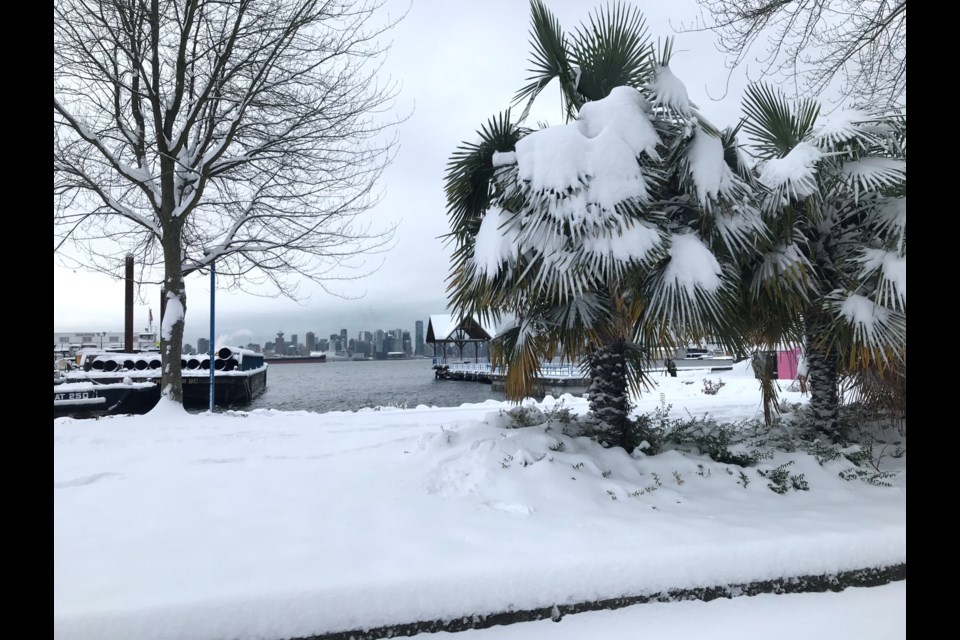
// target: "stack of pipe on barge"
[[110, 383]]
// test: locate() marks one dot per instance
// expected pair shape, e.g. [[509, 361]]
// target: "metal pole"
[[128, 311], [213, 290]]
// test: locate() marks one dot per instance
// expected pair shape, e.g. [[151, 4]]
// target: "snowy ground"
[[274, 525]]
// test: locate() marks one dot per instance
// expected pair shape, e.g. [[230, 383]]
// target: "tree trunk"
[[171, 328], [608, 395], [822, 375]]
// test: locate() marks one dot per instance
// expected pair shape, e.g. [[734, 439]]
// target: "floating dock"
[[553, 379], [556, 379]]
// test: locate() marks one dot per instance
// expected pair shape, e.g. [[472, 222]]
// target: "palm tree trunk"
[[822, 375], [608, 395]]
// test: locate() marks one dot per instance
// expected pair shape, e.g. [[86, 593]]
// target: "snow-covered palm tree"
[[609, 235], [832, 191]]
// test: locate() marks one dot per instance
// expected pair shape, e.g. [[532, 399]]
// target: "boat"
[[311, 359], [91, 399], [109, 383]]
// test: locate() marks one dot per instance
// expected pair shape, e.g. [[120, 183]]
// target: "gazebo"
[[444, 329]]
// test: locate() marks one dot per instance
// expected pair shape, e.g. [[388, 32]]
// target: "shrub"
[[711, 388]]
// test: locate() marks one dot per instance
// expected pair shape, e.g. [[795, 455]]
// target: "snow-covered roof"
[[442, 327]]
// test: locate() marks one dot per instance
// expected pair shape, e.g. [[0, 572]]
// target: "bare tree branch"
[[252, 133], [857, 46]]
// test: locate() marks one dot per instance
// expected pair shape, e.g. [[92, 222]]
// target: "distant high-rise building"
[[253, 346], [407, 345], [378, 337], [280, 346], [389, 344], [418, 345], [323, 344], [311, 341], [203, 345], [269, 346], [343, 336], [295, 341]]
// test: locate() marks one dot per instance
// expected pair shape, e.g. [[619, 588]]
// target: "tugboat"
[[92, 399]]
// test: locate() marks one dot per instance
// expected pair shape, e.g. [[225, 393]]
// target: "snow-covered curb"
[[869, 577]]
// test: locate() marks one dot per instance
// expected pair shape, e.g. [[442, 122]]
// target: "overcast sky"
[[458, 63]]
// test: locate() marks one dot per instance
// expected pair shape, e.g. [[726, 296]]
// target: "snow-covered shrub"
[[711, 388], [781, 480], [524, 416]]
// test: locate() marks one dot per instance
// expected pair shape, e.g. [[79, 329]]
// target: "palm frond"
[[874, 174], [550, 57], [612, 51], [774, 125], [741, 228], [792, 176], [470, 172], [852, 130], [880, 392], [669, 93], [520, 350], [784, 272], [869, 333], [734, 155], [887, 270], [705, 172], [691, 294], [889, 218]]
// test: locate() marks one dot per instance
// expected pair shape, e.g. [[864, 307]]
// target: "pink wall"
[[787, 362]]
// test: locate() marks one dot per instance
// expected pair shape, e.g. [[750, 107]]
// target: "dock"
[[553, 378], [557, 378]]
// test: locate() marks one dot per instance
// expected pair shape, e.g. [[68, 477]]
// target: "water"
[[352, 385]]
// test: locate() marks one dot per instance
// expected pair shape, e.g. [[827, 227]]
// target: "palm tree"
[[609, 235], [833, 275]]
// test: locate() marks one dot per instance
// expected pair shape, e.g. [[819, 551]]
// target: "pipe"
[[193, 363], [110, 365], [224, 353], [218, 364], [141, 365], [98, 365], [205, 364], [129, 364], [155, 364], [230, 364]]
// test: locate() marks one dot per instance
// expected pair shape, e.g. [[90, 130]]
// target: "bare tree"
[[251, 133], [861, 44]]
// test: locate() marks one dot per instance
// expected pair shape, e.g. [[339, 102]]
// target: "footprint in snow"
[[84, 480]]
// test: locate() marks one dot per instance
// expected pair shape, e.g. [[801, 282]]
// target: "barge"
[[107, 383]]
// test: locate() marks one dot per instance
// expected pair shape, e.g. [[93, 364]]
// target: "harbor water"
[[352, 385]]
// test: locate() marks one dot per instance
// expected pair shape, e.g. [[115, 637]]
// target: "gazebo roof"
[[445, 328]]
